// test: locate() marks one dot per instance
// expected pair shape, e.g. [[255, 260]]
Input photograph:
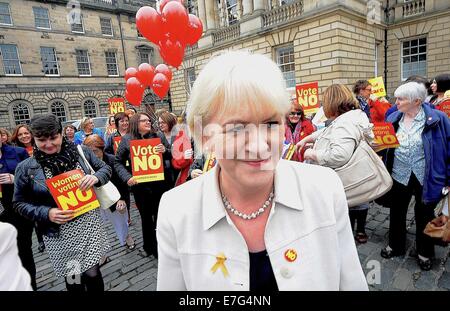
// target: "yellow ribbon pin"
[[220, 263]]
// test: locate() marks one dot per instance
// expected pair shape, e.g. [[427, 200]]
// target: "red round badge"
[[290, 255]]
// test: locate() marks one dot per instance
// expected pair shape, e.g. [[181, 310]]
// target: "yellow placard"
[[378, 88]]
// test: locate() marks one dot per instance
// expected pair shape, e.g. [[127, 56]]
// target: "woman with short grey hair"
[[419, 167]]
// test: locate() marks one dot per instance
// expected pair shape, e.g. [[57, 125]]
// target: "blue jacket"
[[11, 157], [81, 135], [436, 144]]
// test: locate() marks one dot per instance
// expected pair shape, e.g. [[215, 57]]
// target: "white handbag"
[[364, 176], [107, 194]]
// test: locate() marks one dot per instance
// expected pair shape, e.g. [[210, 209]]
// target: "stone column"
[[202, 13], [210, 14], [239, 9], [259, 5], [247, 7]]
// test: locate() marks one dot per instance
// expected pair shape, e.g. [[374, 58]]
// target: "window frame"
[[21, 121], [95, 107], [415, 54], [150, 55], [88, 62], [10, 15], [110, 26], [188, 77], [229, 10], [116, 63], [82, 26], [18, 60], [277, 49], [57, 101], [56, 61], [48, 18]]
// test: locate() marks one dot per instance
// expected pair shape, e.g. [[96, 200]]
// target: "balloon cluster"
[[171, 29]]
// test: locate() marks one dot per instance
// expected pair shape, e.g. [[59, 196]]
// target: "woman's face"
[[24, 136], [70, 132], [247, 147], [49, 145], [405, 105], [163, 125], [294, 116], [4, 138], [111, 121], [145, 126], [123, 124], [434, 86], [366, 92], [90, 125]]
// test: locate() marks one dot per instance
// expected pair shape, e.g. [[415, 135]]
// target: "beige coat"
[[335, 144], [13, 276], [309, 217]]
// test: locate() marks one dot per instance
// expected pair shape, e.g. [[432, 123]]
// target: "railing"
[[283, 13], [227, 33], [414, 7], [191, 48]]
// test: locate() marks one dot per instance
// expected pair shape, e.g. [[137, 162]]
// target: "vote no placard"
[[146, 162], [116, 105], [65, 190], [308, 97]]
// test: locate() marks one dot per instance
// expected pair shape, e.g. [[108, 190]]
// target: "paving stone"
[[123, 278], [426, 281], [122, 286], [402, 279], [444, 281]]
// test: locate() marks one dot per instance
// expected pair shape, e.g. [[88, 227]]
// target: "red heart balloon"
[[172, 52], [162, 68], [134, 86], [163, 3], [130, 72], [160, 85], [149, 24], [175, 20], [145, 74], [195, 30], [134, 99]]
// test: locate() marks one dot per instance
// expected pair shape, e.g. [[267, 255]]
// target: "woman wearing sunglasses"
[[297, 127]]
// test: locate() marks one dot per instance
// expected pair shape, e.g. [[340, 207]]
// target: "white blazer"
[[13, 276], [309, 217]]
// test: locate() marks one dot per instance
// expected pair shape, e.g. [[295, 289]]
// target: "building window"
[[190, 77], [105, 24], [84, 67], [232, 12], [285, 60], [41, 19], [78, 28], [145, 56], [59, 110], [414, 57], [11, 62], [21, 114], [90, 109], [49, 61], [190, 4], [111, 64], [5, 14]]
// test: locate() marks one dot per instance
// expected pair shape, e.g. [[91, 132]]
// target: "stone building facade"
[[53, 62], [329, 41]]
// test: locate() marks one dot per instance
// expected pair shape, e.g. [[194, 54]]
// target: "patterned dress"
[[80, 244]]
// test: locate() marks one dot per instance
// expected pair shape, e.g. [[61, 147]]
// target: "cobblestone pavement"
[[133, 271]]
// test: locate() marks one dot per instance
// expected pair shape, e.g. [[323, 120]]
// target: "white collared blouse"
[[309, 218]]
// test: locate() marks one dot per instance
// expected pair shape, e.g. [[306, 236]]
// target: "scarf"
[[293, 137], [58, 163]]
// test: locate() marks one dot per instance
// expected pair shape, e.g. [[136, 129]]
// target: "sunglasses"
[[297, 113]]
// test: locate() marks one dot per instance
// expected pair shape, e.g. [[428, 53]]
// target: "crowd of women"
[[235, 189]]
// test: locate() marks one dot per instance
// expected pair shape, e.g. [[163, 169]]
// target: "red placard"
[[146, 164], [445, 107], [116, 105], [117, 140], [65, 190], [385, 136], [210, 162], [308, 97]]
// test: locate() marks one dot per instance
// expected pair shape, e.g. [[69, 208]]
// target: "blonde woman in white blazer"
[[254, 222]]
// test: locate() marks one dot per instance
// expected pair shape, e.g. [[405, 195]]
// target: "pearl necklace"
[[253, 215]]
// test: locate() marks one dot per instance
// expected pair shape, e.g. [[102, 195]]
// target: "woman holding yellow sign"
[[253, 222], [128, 159], [75, 245]]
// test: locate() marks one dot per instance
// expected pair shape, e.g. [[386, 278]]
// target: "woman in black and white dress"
[[75, 245]]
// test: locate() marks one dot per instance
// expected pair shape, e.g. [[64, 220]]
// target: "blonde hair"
[[84, 122], [236, 81], [337, 100]]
